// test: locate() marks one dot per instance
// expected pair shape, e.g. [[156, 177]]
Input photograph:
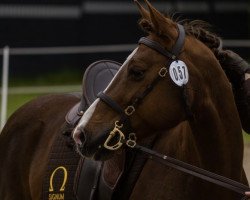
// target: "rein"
[[121, 127], [193, 170]]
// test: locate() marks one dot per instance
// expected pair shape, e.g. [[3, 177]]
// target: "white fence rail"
[[44, 89], [6, 52], [5, 77], [70, 50], [114, 7]]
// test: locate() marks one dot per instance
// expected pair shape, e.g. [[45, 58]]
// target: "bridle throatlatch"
[[119, 132]]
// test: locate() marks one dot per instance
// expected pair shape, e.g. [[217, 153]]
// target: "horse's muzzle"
[[86, 144], [79, 136], [80, 139]]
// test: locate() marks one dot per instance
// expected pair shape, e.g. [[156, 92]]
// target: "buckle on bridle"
[[115, 132], [129, 110], [163, 71], [131, 142]]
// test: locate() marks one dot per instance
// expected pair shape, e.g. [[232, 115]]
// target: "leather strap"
[[180, 41], [194, 171], [159, 48], [88, 180], [110, 102]]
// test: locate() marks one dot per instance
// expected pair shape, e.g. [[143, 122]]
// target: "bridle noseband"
[[130, 109]]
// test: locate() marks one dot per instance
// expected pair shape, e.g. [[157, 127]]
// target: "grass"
[[246, 137], [61, 76]]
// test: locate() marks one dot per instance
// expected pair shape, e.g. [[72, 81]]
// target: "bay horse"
[[186, 103], [196, 122]]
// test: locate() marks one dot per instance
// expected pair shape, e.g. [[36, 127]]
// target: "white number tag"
[[178, 72]]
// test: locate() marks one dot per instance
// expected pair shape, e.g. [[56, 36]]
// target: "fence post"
[[5, 74]]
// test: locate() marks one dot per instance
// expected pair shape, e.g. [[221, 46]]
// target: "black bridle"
[[130, 109], [130, 141]]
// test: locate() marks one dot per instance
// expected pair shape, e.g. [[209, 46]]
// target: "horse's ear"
[[145, 21], [144, 13], [162, 25]]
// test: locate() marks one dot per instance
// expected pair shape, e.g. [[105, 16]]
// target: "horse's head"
[[155, 89]]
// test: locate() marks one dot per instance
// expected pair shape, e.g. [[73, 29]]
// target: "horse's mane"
[[202, 31]]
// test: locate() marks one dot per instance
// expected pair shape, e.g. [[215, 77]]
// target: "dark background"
[[27, 23]]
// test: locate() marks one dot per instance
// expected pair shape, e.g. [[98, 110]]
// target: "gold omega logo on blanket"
[[60, 194]]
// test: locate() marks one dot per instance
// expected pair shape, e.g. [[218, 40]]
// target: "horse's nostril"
[[79, 137], [82, 137]]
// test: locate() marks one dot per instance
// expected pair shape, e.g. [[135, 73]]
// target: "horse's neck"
[[217, 132], [113, 169], [202, 145], [212, 141], [160, 182]]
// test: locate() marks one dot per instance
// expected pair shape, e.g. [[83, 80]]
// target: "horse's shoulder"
[[179, 142]]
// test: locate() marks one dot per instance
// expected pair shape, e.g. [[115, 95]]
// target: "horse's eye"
[[136, 73]]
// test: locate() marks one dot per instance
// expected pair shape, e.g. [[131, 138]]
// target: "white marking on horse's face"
[[124, 64], [89, 112], [84, 120]]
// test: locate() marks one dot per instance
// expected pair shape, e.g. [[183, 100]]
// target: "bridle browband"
[[174, 53], [130, 141]]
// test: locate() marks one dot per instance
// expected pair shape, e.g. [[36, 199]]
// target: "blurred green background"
[[24, 89]]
